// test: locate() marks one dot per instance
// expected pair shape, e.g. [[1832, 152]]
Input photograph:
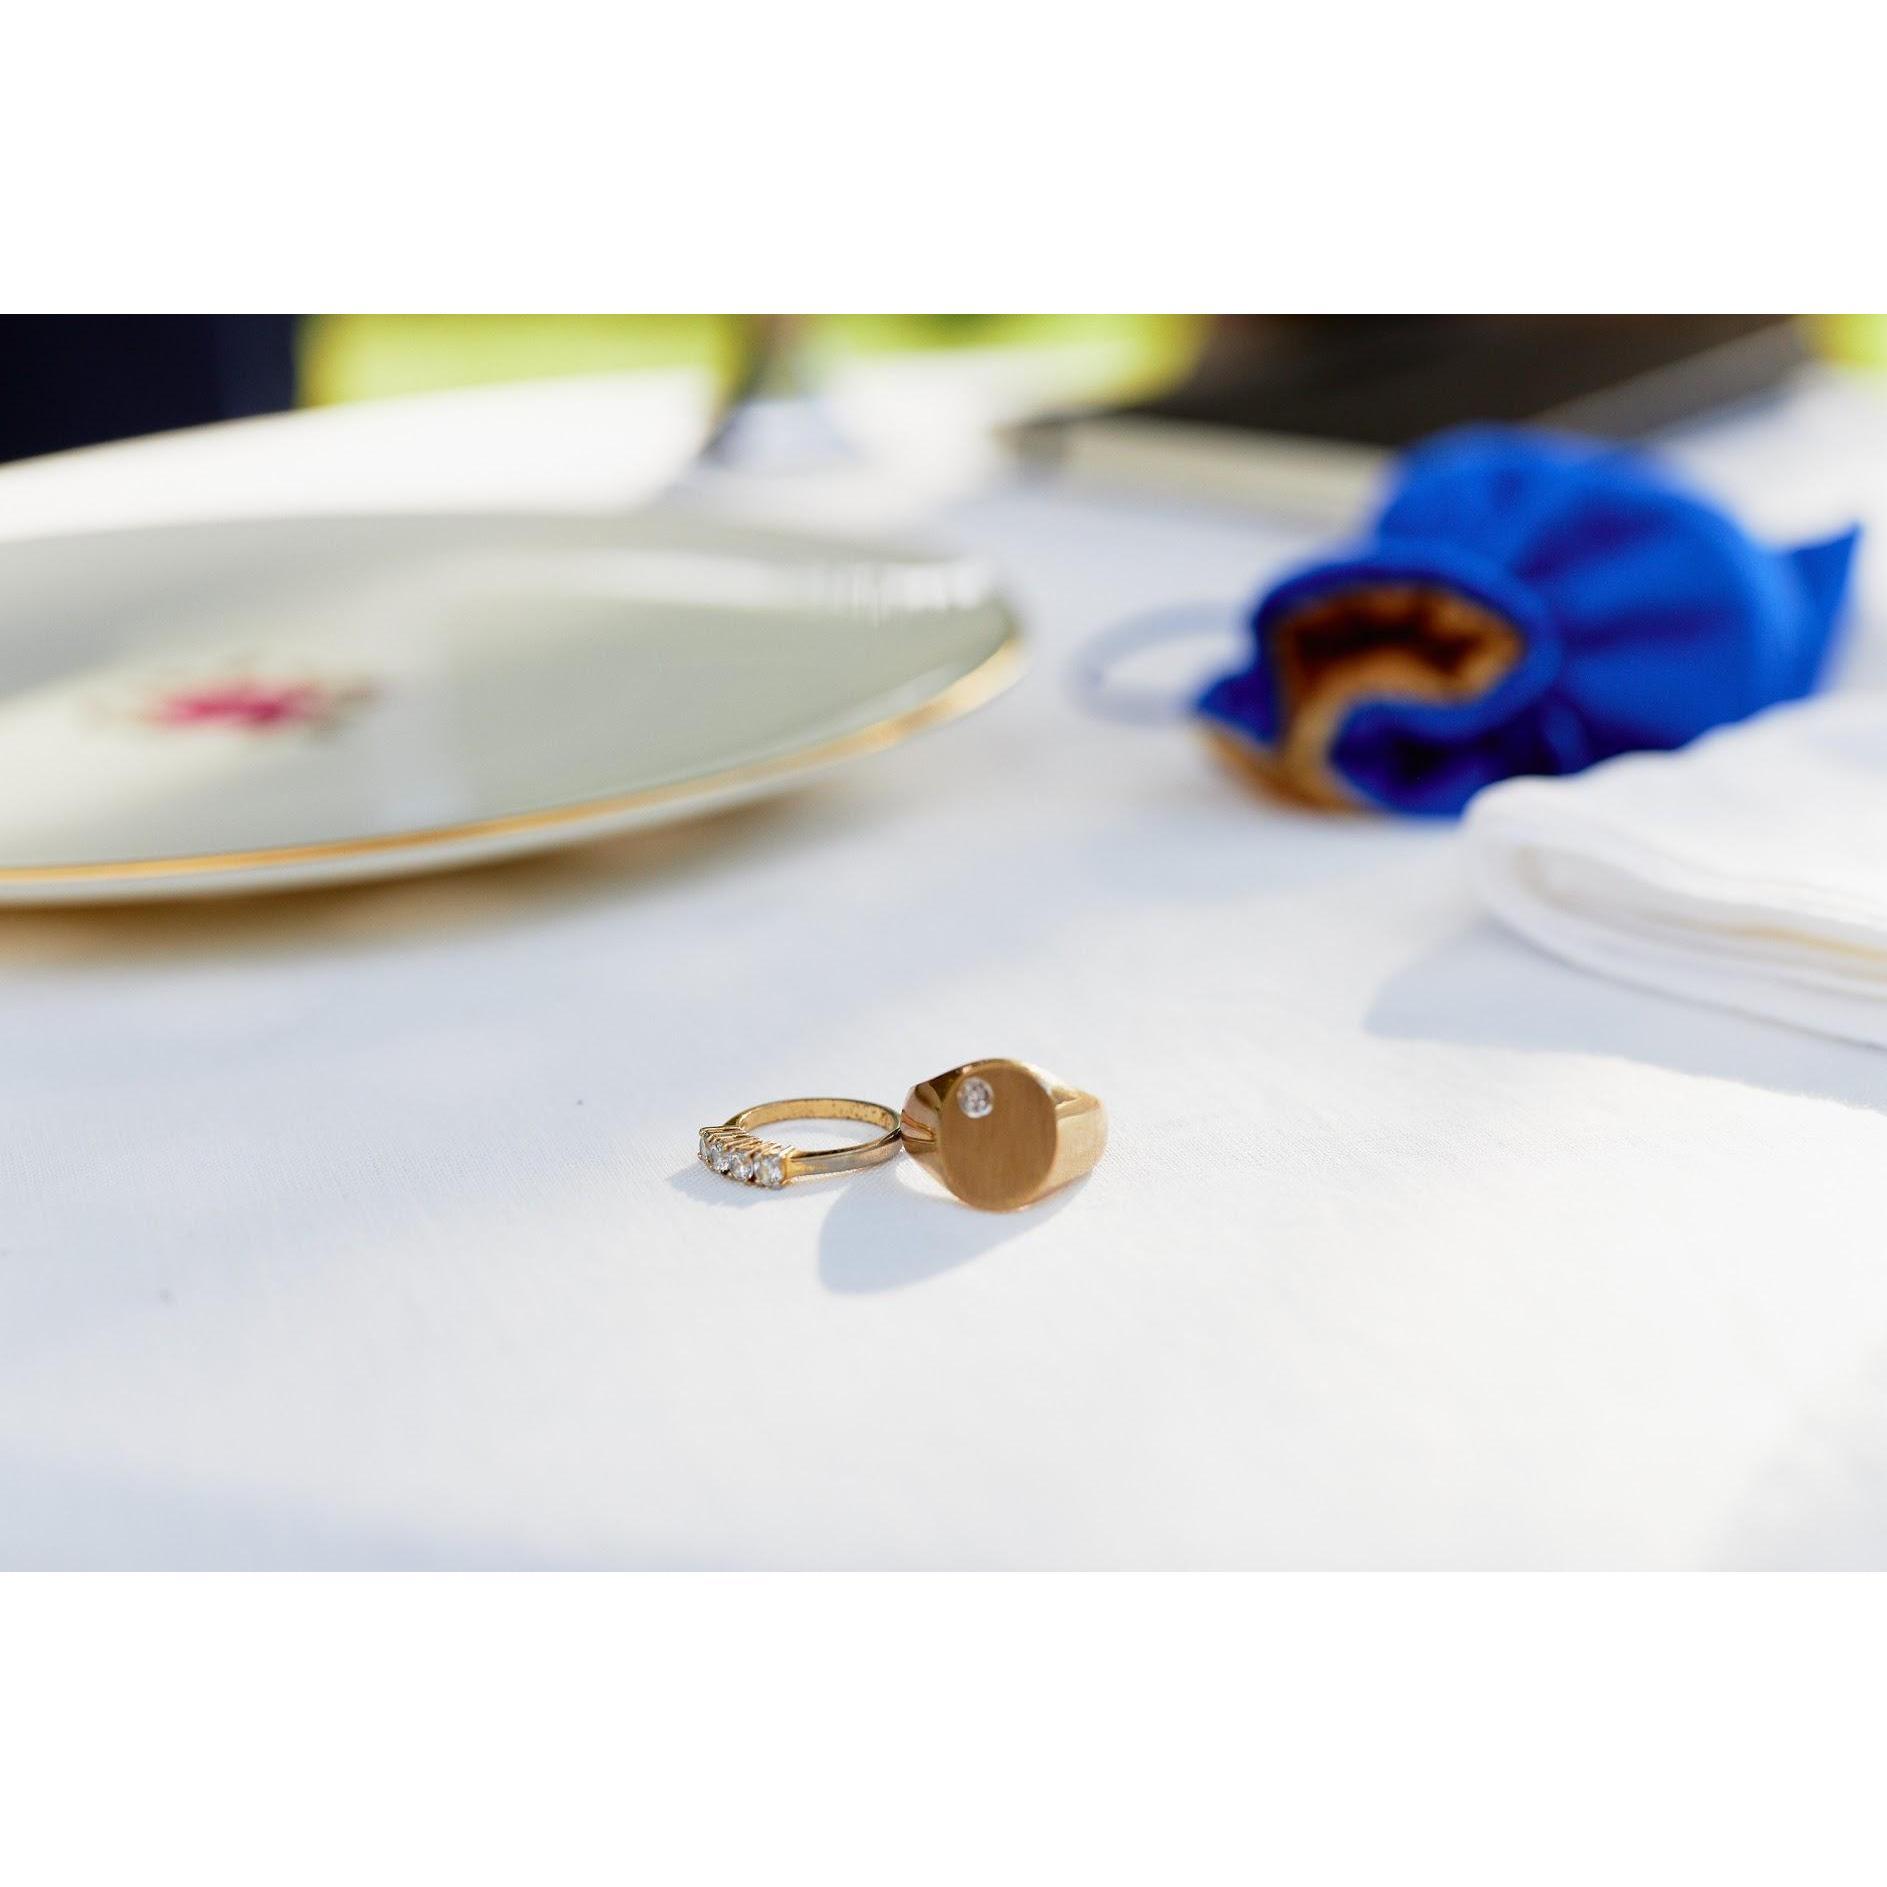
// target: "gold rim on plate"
[[970, 691]]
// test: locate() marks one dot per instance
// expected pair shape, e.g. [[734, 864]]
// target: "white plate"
[[262, 702]]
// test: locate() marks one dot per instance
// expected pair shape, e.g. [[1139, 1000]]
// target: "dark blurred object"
[[1389, 380], [1293, 408], [79, 380]]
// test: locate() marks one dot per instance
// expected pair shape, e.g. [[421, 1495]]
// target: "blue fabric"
[[1646, 615]]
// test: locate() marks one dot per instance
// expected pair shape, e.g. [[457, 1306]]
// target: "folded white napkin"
[[1750, 869]]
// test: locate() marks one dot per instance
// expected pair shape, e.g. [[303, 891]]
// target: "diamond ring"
[[733, 1151]]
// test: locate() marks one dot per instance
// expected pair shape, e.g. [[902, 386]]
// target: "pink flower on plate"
[[252, 703]]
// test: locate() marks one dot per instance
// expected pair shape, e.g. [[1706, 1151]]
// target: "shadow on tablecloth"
[[894, 1227], [1485, 988], [886, 1228], [377, 913]]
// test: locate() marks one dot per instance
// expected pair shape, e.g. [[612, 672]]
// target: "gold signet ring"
[[1001, 1134], [732, 1150]]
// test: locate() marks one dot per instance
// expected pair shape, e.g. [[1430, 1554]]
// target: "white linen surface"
[[363, 1227], [1749, 869]]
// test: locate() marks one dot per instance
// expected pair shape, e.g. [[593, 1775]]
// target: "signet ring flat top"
[[1001, 1134]]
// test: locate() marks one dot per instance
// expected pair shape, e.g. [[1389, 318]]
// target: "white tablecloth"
[[363, 1227]]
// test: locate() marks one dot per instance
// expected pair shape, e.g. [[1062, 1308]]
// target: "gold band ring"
[[731, 1150]]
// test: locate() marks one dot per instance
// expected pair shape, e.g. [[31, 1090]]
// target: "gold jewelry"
[[732, 1150], [1001, 1134]]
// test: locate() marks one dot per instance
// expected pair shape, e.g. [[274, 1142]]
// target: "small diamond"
[[720, 1159], [974, 1097], [707, 1149], [769, 1170], [740, 1166]]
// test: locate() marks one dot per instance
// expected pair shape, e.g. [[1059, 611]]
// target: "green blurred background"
[[72, 380]]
